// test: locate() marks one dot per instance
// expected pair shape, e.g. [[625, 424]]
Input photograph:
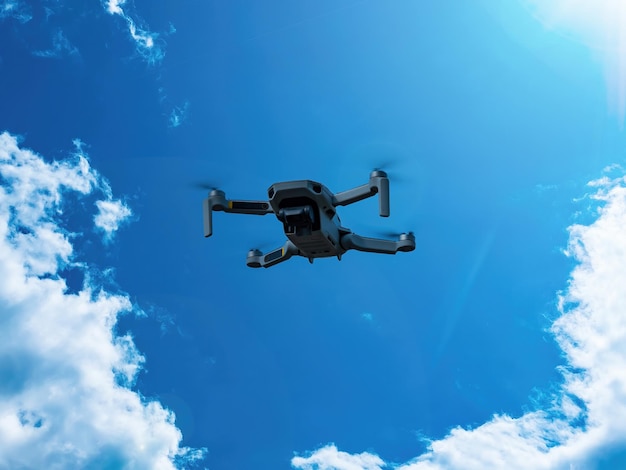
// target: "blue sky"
[[130, 341]]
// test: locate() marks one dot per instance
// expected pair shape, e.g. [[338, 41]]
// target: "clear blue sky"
[[491, 122]]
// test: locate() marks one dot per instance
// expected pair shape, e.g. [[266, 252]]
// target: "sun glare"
[[601, 25]]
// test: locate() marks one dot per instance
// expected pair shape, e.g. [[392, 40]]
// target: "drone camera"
[[303, 216]]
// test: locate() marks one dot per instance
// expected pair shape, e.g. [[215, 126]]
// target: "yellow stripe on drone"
[[230, 204]]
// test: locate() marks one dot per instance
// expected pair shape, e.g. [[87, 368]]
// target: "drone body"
[[307, 210]]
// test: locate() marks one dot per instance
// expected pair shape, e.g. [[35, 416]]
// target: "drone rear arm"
[[378, 184], [256, 259], [352, 241], [217, 202]]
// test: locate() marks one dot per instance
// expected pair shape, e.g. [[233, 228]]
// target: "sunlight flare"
[[599, 24]]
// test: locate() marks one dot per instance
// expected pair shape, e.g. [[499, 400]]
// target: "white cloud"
[[145, 41], [586, 417], [111, 214], [330, 458], [65, 375], [115, 6]]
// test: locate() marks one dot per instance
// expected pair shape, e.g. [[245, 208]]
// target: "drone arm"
[[354, 195], [248, 207], [256, 259], [217, 202], [352, 241], [378, 184]]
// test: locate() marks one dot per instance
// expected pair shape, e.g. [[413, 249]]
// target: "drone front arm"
[[256, 259], [354, 195], [248, 207], [217, 202], [352, 241], [378, 184]]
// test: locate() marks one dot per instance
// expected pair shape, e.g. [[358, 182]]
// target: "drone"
[[307, 210]]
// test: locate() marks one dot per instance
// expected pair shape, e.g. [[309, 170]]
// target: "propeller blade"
[[208, 186], [386, 165], [393, 175]]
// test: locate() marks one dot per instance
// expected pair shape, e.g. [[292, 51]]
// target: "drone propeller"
[[386, 165], [386, 156], [260, 247], [208, 186], [391, 168]]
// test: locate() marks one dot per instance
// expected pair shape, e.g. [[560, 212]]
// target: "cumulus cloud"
[[601, 24], [586, 418], [65, 375], [146, 42], [110, 215], [331, 458]]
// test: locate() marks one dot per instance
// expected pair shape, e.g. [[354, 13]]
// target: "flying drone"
[[307, 210]]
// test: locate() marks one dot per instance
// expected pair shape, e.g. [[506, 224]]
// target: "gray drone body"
[[307, 210]]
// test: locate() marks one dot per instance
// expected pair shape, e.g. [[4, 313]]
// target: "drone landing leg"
[[352, 241], [256, 259]]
